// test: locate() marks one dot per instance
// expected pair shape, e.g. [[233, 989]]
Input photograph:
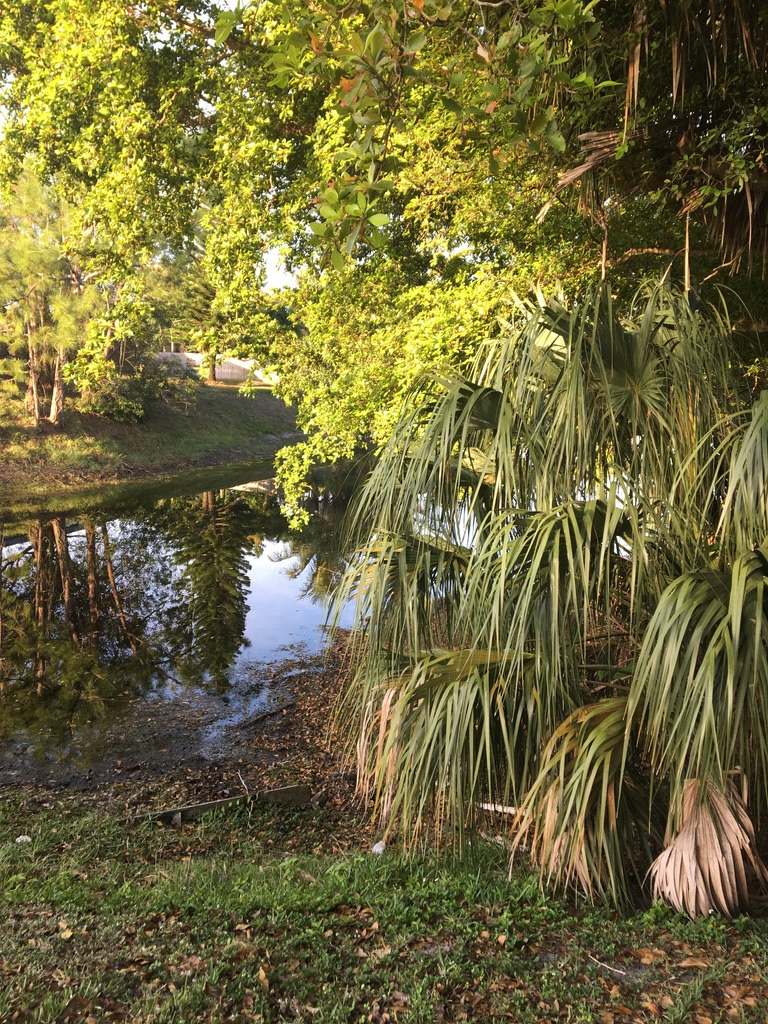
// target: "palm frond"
[[584, 818], [700, 691], [710, 853], [744, 518], [440, 740]]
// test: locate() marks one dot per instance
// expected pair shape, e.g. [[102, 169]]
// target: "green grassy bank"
[[222, 426], [275, 916]]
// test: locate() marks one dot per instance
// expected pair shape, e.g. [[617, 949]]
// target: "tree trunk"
[[65, 571], [93, 578], [209, 362], [2, 633], [115, 593], [32, 400], [39, 536], [57, 396]]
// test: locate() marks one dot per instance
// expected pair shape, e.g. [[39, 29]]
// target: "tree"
[[665, 100], [413, 137], [560, 579], [361, 339], [46, 296]]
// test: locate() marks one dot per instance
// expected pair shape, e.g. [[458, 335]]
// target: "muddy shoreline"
[[164, 759]]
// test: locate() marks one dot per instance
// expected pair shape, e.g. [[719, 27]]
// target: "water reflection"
[[180, 596]]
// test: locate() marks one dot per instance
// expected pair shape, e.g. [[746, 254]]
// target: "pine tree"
[[45, 295]]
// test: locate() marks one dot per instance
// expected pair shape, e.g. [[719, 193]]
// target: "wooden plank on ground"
[[290, 796]]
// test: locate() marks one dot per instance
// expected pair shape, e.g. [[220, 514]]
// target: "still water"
[[175, 600]]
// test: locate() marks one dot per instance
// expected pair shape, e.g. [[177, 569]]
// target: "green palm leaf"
[[700, 692], [585, 817]]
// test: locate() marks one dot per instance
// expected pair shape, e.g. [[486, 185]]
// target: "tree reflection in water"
[[209, 535], [98, 611]]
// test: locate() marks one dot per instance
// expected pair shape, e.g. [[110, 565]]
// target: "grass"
[[222, 426], [265, 917]]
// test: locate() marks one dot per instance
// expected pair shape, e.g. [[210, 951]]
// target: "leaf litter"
[[308, 924]]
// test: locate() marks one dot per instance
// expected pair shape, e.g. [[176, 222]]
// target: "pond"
[[152, 622]]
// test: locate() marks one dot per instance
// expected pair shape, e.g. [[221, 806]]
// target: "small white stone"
[[23, 839], [379, 848]]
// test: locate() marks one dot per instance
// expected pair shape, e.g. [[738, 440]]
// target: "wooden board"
[[291, 796]]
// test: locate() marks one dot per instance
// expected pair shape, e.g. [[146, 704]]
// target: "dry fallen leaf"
[[649, 956], [263, 979]]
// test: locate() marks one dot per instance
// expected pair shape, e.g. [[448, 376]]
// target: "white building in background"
[[233, 371]]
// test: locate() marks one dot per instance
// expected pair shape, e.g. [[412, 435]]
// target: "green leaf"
[[375, 41], [555, 137], [416, 41], [451, 104], [318, 229], [337, 259], [225, 23], [329, 212], [378, 219]]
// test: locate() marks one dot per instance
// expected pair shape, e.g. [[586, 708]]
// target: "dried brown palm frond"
[[705, 868], [737, 221], [654, 148], [375, 724]]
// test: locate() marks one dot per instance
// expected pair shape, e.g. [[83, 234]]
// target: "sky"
[[277, 275]]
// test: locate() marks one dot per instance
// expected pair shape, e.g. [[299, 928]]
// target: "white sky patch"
[[277, 275]]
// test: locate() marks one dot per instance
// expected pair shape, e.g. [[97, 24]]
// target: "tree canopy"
[[429, 143], [269, 115]]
